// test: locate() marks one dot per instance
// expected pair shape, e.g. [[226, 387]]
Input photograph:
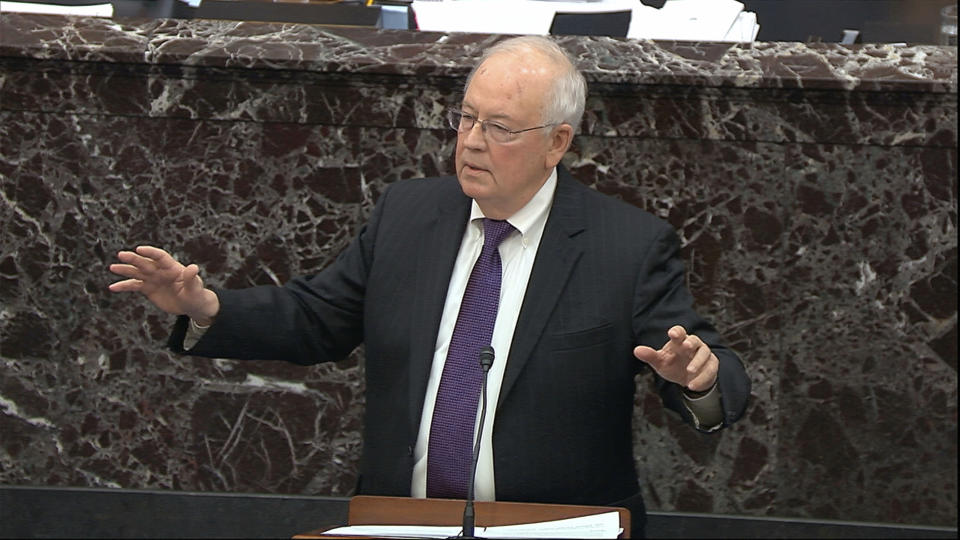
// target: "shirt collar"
[[533, 212]]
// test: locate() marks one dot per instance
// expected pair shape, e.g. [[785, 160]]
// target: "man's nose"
[[474, 136]]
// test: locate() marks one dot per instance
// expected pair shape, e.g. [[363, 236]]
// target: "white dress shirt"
[[517, 253]]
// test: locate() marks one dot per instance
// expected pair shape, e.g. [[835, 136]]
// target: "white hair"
[[567, 96]]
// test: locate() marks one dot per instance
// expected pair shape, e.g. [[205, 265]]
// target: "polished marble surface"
[[814, 187]]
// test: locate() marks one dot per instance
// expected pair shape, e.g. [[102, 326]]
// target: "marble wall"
[[814, 187]]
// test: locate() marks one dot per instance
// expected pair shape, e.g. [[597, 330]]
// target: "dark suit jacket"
[[607, 277]]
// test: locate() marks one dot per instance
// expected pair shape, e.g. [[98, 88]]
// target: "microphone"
[[486, 360]]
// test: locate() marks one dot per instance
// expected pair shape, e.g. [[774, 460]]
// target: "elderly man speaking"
[[574, 291]]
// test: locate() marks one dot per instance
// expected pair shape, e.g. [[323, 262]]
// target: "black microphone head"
[[486, 357]]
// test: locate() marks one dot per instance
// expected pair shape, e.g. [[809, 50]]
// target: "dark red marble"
[[814, 188]]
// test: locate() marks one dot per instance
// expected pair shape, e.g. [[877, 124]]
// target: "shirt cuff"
[[705, 408], [193, 335]]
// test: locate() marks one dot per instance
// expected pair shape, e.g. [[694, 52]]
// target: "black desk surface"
[[879, 21]]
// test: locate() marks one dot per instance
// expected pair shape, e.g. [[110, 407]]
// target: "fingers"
[[147, 257], [125, 270], [133, 262], [127, 285], [646, 354], [695, 352], [151, 252], [142, 266], [677, 335], [701, 364], [191, 278], [687, 348], [706, 377], [145, 261], [189, 272], [685, 359], [703, 378]]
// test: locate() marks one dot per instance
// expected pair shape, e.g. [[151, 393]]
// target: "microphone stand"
[[486, 360]]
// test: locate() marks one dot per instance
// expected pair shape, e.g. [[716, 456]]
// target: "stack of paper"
[[606, 525], [94, 10], [696, 20], [686, 20]]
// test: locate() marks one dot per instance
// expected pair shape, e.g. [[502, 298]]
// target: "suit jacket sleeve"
[[310, 319], [663, 301]]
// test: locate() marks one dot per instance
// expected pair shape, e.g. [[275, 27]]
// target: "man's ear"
[[560, 139]]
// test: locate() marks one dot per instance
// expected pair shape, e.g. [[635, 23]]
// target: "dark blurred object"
[[948, 25], [613, 23], [339, 14], [878, 21]]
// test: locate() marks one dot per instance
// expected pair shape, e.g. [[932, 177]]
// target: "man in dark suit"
[[589, 291]]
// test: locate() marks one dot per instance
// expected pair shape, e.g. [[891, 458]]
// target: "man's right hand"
[[172, 287]]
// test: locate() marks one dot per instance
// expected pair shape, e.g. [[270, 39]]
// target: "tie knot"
[[494, 231]]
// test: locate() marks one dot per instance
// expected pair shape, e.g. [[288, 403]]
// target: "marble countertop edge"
[[300, 47]]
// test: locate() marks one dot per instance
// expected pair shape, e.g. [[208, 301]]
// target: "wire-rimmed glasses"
[[463, 122]]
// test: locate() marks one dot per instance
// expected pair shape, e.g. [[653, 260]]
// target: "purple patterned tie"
[[450, 451]]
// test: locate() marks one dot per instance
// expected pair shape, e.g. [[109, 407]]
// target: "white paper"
[[745, 29], [606, 525], [395, 531], [692, 20], [504, 16], [683, 20], [95, 10], [645, 22]]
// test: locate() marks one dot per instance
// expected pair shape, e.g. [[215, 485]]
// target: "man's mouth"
[[473, 167]]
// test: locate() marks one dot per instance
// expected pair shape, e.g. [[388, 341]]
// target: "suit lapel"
[[437, 253], [559, 250]]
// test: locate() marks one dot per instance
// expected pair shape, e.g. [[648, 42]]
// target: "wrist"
[[202, 324], [206, 313], [697, 394]]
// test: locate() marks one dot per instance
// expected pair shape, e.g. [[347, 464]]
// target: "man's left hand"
[[685, 360]]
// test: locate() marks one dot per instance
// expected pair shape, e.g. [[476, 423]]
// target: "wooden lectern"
[[370, 510]]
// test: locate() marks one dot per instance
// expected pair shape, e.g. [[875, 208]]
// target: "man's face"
[[503, 177]]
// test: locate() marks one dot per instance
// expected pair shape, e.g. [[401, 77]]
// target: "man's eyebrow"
[[473, 112]]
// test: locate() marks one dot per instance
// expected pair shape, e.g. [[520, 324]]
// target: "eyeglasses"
[[462, 122]]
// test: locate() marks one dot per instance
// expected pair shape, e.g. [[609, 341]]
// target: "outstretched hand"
[[172, 287], [685, 360]]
